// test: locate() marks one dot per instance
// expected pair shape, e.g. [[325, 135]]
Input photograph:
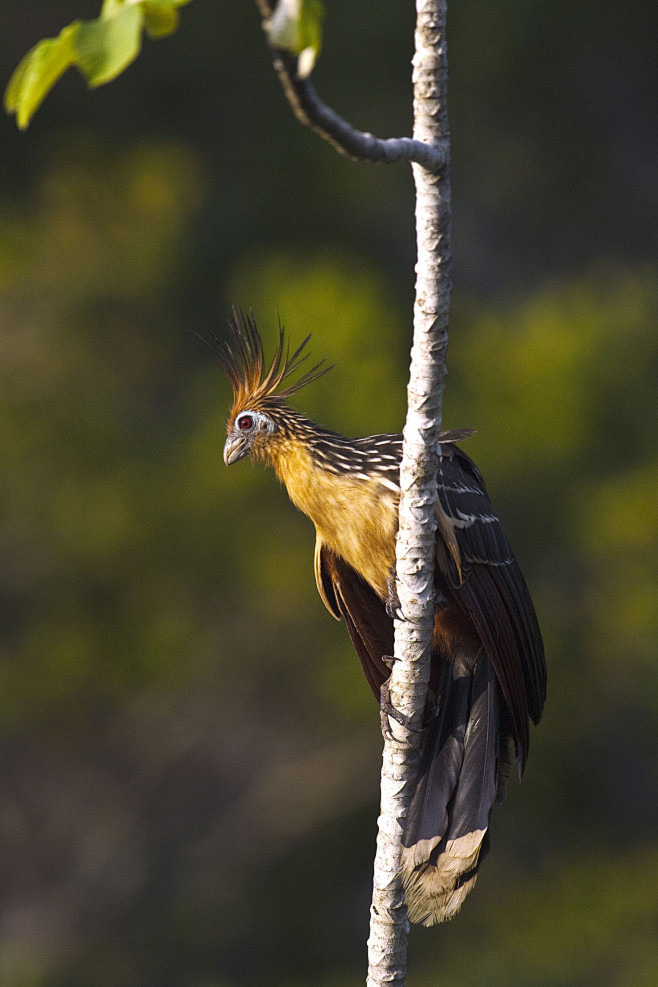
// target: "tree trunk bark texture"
[[416, 538]]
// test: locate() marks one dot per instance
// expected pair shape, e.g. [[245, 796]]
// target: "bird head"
[[247, 432], [258, 413]]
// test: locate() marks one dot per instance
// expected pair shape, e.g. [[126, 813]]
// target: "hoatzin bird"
[[487, 669]]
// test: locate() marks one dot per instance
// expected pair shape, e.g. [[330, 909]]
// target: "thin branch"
[[429, 153], [354, 144], [418, 475]]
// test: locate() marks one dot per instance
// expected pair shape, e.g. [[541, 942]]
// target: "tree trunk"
[[418, 473]]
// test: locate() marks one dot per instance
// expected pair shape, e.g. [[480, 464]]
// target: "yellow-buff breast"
[[367, 542]]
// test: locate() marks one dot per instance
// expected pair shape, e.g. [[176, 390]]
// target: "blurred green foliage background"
[[189, 756]]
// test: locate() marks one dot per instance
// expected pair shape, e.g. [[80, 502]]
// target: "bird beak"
[[235, 447]]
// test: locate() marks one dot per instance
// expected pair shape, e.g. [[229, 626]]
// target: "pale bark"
[[416, 538]]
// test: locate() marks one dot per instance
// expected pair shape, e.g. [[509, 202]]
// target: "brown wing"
[[347, 595], [485, 582]]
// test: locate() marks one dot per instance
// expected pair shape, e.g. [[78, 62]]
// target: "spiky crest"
[[243, 362]]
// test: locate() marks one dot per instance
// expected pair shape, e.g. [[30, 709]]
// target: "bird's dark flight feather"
[[369, 626], [466, 754], [492, 593]]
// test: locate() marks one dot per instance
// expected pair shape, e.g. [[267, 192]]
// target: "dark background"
[[189, 756]]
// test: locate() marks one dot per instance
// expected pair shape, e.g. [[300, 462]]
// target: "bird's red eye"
[[245, 422]]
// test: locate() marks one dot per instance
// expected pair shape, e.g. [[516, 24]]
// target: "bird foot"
[[393, 605], [388, 712]]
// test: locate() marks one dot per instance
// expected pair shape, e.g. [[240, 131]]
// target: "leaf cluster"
[[101, 49]]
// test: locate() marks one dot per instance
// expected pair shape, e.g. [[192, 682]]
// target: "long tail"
[[462, 774]]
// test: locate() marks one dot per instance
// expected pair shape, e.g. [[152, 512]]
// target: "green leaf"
[[107, 46], [100, 48], [160, 21], [38, 72], [296, 26], [163, 4], [310, 25], [111, 8], [161, 16]]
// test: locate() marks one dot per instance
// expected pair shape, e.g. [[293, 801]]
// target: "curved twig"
[[354, 144]]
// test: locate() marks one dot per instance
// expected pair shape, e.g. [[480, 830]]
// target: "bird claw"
[[387, 712], [393, 605]]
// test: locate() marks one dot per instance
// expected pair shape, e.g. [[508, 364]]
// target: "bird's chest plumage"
[[356, 518]]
